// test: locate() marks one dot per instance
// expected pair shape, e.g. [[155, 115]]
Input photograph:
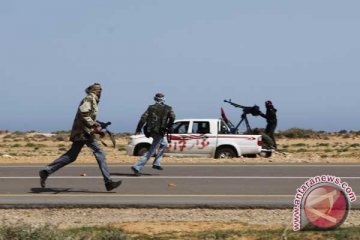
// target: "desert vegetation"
[[295, 145], [24, 231]]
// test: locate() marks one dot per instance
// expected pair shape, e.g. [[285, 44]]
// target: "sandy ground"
[[42, 151], [153, 221], [32, 148]]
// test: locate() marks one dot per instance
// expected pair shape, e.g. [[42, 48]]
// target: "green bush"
[[25, 231], [30, 145], [35, 146], [343, 150], [16, 145], [301, 150], [299, 133], [323, 144], [122, 147], [60, 138], [299, 145]]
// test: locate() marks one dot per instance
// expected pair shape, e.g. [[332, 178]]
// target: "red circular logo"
[[326, 206]]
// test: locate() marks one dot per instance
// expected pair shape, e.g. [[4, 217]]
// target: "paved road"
[[240, 186]]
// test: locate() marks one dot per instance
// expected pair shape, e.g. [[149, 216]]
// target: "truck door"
[[201, 141], [179, 137]]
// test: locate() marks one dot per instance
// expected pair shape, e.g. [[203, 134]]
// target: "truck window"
[[201, 127], [180, 127]]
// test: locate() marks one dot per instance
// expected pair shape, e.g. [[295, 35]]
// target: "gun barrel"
[[234, 104]]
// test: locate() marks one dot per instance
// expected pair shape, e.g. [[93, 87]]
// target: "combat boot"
[[112, 185], [43, 176]]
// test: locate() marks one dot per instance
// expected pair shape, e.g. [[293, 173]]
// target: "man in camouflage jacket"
[[158, 118], [83, 133]]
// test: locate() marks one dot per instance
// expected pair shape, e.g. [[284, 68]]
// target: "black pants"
[[270, 131]]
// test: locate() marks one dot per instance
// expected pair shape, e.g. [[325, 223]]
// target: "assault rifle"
[[104, 130]]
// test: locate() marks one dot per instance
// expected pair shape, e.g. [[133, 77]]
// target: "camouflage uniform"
[[82, 133], [158, 117], [85, 119]]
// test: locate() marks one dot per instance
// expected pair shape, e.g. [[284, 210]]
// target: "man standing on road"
[[158, 118], [83, 133], [271, 120]]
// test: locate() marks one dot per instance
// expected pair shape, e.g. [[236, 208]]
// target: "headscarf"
[[94, 88], [269, 104], [159, 98]]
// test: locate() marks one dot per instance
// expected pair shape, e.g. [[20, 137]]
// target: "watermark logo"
[[322, 202]]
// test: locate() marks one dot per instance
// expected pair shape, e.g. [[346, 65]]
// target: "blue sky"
[[303, 55]]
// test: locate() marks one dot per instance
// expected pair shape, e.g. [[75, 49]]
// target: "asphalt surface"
[[214, 186]]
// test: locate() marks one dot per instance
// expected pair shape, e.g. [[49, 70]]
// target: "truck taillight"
[[259, 142]]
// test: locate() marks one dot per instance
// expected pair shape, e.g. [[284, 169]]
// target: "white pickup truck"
[[201, 137]]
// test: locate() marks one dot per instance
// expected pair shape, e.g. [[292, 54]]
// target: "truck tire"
[[225, 152], [141, 149]]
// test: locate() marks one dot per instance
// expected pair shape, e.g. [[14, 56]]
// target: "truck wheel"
[[225, 153], [141, 150]]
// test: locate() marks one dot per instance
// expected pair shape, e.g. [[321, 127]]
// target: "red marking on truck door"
[[204, 143], [183, 143]]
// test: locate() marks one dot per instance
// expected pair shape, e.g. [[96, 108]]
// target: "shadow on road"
[[62, 190], [132, 175]]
